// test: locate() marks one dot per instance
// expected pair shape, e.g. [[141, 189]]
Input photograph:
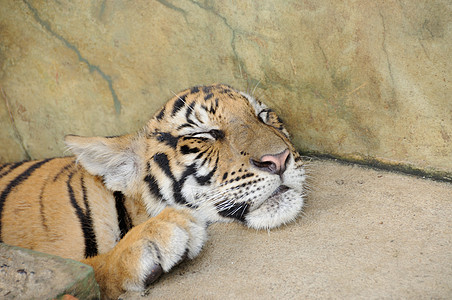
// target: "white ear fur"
[[115, 159]]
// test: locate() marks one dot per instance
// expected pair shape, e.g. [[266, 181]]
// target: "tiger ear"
[[115, 159]]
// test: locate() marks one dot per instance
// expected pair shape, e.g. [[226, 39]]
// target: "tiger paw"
[[148, 250]]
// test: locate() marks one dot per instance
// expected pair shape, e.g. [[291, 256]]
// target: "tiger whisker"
[[218, 198], [255, 87], [178, 97]]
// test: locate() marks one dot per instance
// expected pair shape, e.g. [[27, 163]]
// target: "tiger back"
[[56, 207]]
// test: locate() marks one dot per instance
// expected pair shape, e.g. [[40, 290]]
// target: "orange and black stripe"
[[124, 220], [15, 182], [84, 217]]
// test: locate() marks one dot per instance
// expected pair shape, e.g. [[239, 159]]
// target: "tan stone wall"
[[366, 80]]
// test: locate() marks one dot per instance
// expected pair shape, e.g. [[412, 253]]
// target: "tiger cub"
[[134, 206]]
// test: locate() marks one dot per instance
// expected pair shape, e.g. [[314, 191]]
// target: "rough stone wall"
[[360, 80]]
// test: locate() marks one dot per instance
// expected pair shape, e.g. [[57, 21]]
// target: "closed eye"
[[215, 134]]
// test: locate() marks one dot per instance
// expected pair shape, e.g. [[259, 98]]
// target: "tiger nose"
[[273, 163]]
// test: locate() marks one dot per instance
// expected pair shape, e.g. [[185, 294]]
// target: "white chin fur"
[[276, 211]]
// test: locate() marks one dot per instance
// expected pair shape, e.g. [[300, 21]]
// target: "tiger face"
[[213, 149]]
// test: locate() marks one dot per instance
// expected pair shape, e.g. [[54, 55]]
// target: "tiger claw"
[[156, 272]]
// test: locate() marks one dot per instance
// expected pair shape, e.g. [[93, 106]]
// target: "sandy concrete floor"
[[364, 234]]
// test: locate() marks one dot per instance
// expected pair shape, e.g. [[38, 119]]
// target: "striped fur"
[[133, 206]]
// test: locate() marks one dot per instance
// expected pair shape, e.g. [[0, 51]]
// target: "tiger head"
[[213, 149]]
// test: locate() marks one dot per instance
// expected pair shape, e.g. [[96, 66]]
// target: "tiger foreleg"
[[147, 251]]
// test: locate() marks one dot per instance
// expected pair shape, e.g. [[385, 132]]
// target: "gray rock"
[[27, 274]]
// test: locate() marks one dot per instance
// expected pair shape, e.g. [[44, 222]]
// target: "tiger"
[[136, 205]]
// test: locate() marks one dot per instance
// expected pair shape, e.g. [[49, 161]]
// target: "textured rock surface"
[[358, 80], [26, 274]]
